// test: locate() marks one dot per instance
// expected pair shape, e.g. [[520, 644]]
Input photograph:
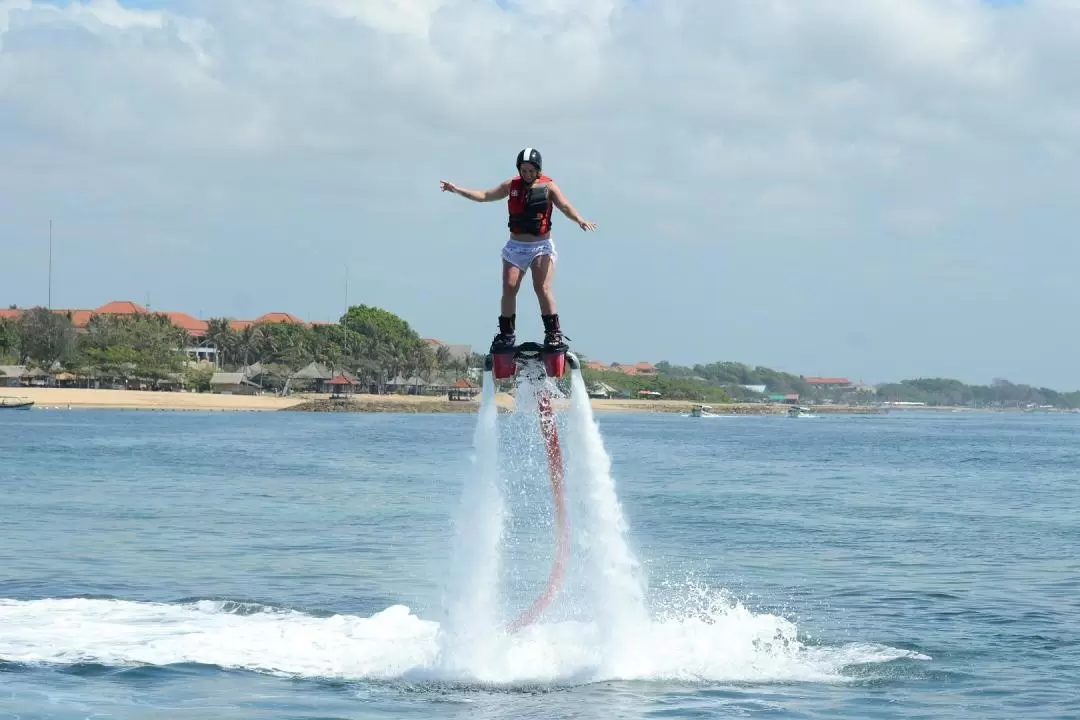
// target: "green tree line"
[[716, 381], [999, 393], [375, 345], [370, 343], [670, 387]]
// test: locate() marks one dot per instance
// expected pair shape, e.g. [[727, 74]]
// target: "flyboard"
[[536, 362]]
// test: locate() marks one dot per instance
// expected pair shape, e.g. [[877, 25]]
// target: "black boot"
[[506, 339], [553, 337]]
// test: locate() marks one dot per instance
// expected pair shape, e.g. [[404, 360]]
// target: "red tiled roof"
[[120, 307], [625, 369], [81, 318], [340, 379], [194, 326], [279, 317], [827, 381]]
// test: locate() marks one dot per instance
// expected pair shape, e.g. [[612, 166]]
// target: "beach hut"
[[313, 377], [341, 386], [233, 383], [413, 385], [602, 390], [462, 389], [12, 375]]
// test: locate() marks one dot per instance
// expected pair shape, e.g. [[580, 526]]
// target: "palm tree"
[[248, 343], [442, 358], [224, 339], [9, 339]]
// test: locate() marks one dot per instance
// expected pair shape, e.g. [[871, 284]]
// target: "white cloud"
[[767, 174]]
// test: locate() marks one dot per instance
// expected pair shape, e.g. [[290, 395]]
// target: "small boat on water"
[[7, 402], [701, 411], [799, 411]]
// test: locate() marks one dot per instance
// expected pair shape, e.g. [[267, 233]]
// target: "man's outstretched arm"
[[496, 193], [560, 201]]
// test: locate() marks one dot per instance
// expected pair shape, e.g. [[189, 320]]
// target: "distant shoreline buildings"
[[203, 347], [196, 328]]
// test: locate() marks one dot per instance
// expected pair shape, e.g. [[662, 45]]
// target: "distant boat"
[[799, 411], [701, 411], [8, 402]]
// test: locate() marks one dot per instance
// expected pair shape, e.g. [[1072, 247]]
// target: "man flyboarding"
[[531, 198], [532, 195]]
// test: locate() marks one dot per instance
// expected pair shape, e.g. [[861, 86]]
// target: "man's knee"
[[511, 285]]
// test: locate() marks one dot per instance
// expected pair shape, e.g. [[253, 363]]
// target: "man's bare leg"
[[511, 283], [543, 277]]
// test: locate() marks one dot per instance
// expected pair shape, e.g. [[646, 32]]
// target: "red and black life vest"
[[530, 207]]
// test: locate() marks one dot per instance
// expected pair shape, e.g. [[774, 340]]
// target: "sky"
[[878, 190]]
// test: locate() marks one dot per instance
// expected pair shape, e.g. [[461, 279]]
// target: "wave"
[[710, 638]]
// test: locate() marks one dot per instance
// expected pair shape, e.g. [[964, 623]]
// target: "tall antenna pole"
[[50, 263]]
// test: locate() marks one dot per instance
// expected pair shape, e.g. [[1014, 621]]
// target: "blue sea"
[[296, 565]]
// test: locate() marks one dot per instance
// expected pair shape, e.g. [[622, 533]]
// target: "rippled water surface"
[[286, 565]]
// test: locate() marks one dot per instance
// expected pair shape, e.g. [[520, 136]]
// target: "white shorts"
[[521, 254]]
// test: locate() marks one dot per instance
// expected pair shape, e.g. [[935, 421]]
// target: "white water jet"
[[615, 584], [472, 618], [613, 594]]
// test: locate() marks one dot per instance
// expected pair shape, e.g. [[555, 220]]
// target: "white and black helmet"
[[532, 156]]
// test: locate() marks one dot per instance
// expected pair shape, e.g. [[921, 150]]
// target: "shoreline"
[[87, 399], [145, 400]]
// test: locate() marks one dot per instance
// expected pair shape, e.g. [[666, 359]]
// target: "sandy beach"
[[144, 400], [63, 398], [50, 398]]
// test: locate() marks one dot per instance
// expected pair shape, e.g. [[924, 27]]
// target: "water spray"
[[537, 362]]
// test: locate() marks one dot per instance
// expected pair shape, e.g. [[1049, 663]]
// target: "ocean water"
[[281, 565]]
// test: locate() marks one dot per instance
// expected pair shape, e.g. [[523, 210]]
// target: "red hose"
[[562, 528]]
